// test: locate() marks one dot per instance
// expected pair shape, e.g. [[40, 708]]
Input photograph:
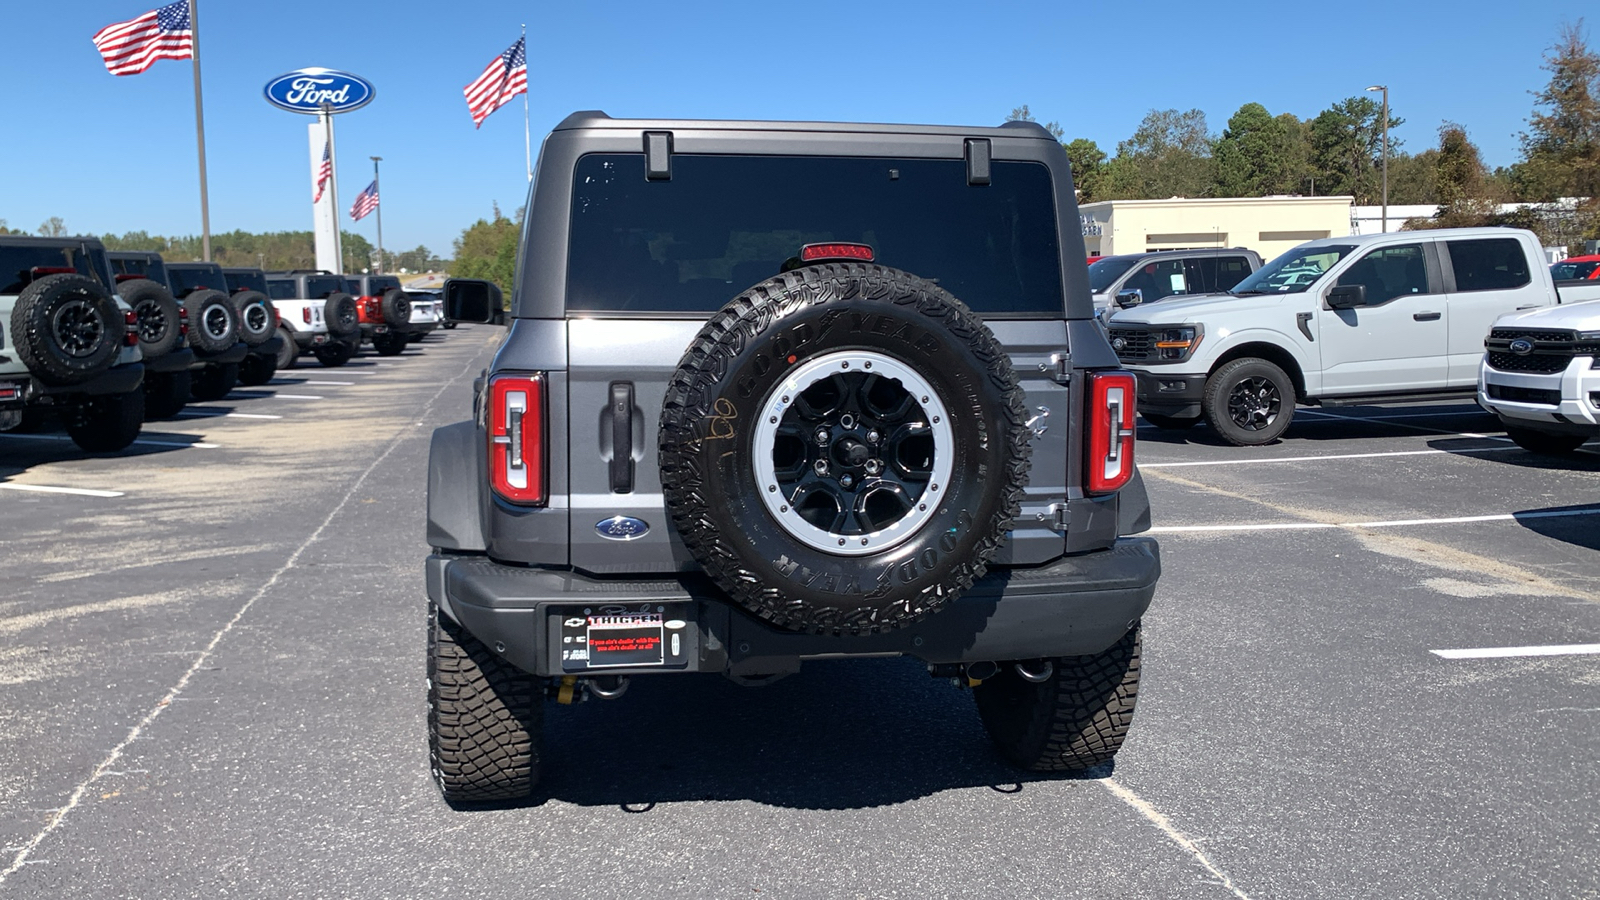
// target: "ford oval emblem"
[[1521, 347], [622, 528], [310, 90]]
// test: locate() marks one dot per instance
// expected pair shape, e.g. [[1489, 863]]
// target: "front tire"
[[107, 423], [1249, 402], [1544, 442], [485, 717], [1074, 719]]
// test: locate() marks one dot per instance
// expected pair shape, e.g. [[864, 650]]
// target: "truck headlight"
[[1175, 343]]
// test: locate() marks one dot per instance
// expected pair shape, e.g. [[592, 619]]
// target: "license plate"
[[319, 339], [380, 329], [643, 635]]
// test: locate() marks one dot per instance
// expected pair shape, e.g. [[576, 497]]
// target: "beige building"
[[1267, 225]]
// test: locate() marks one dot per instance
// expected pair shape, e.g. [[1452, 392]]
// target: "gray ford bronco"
[[782, 391]]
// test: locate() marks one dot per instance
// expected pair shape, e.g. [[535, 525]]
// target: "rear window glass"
[[1107, 269], [1567, 271], [1491, 264], [185, 280], [382, 284], [149, 267], [724, 223], [18, 263], [245, 281], [282, 289], [319, 287]]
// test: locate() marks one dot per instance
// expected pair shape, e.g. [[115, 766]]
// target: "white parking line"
[[339, 383], [197, 414], [1393, 523], [298, 396], [49, 489], [1503, 652], [149, 443], [1284, 459]]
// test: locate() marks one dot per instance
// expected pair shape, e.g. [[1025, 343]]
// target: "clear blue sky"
[[117, 154]]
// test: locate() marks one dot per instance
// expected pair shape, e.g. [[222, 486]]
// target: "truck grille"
[[1132, 344], [1540, 396], [1552, 349]]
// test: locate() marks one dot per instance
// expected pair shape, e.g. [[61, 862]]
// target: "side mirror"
[[1130, 298], [1347, 296], [472, 300]]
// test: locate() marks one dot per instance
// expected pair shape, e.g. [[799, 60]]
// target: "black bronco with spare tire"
[[784, 391], [68, 343]]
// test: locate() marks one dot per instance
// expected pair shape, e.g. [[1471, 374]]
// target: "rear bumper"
[[1170, 394], [233, 354], [270, 348], [1075, 606], [122, 379], [307, 340], [176, 361]]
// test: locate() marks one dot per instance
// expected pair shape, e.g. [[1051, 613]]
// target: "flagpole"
[[333, 187], [527, 135], [200, 133], [378, 210]]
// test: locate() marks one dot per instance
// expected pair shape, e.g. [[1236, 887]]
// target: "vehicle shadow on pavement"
[[1582, 531], [838, 735], [1516, 456]]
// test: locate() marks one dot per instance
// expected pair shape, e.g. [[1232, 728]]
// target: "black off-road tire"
[[289, 352], [214, 381], [213, 321], [165, 393], [449, 326], [1171, 423], [342, 316], [335, 353], [257, 369], [1248, 380], [1546, 443], [257, 323], [396, 308], [714, 403], [66, 329], [160, 329], [485, 717], [1075, 719], [106, 423], [390, 344]]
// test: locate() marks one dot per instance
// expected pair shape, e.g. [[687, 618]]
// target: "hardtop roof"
[[599, 120]]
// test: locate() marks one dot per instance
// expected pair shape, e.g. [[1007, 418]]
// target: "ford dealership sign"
[[310, 90]]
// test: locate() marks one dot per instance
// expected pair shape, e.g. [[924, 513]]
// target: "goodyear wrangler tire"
[[842, 448], [485, 717], [257, 324], [160, 329], [213, 322], [66, 329]]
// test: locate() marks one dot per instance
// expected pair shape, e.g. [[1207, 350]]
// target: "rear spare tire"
[[105, 423], [256, 322], [66, 329], [842, 448], [396, 308], [156, 312], [341, 316], [213, 322]]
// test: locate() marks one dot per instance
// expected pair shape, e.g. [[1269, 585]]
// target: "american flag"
[[366, 201], [504, 78], [324, 172], [131, 47]]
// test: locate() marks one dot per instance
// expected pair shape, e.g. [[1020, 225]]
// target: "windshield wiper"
[[1249, 292]]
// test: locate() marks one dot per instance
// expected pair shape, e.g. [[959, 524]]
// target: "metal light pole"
[[378, 210], [1385, 89]]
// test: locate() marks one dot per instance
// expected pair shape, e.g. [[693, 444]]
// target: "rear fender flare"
[[455, 482]]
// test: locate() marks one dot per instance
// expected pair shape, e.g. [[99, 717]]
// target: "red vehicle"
[[385, 311], [1577, 268]]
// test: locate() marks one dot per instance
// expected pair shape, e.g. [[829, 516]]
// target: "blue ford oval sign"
[[310, 90], [622, 528]]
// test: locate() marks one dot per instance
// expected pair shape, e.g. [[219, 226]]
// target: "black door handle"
[[1426, 317], [621, 437]]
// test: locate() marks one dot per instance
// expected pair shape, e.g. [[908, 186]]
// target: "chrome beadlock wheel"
[[853, 452]]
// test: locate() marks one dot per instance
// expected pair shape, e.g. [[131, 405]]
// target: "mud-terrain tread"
[[242, 301], [484, 718], [747, 317], [1075, 720], [35, 344], [141, 292], [199, 338]]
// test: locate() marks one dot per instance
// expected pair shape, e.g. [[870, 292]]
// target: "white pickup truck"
[[1541, 375], [1334, 322]]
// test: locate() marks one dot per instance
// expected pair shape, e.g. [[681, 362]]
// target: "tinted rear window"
[[1566, 271], [246, 281], [1106, 269], [318, 287], [1491, 264], [723, 223], [382, 284], [185, 280], [282, 289], [17, 264]]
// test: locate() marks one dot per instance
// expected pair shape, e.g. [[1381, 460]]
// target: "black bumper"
[[233, 354], [1170, 395], [176, 361], [116, 380], [1078, 605], [268, 349]]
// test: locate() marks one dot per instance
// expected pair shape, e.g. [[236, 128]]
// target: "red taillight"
[[183, 321], [819, 252], [131, 336], [277, 319], [516, 437], [1111, 401], [41, 271], [127, 277], [305, 314]]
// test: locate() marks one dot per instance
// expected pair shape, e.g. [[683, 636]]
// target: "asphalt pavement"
[[212, 653]]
